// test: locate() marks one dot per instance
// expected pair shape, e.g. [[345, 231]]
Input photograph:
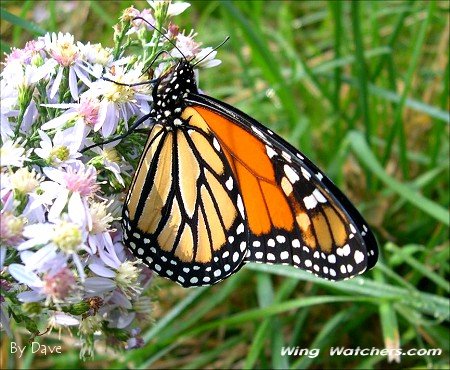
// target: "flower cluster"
[[62, 261]]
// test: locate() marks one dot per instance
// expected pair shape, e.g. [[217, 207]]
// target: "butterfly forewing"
[[295, 216]]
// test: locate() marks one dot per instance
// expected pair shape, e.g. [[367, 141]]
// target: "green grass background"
[[362, 88]]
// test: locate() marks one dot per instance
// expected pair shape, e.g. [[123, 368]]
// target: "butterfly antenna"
[[162, 34], [153, 61], [213, 50]]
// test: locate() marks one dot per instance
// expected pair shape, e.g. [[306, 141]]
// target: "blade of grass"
[[264, 58], [17, 30], [439, 132], [324, 337], [393, 37], [4, 47], [361, 70], [430, 304], [97, 8], [389, 323], [416, 265], [258, 313], [174, 313], [261, 334], [301, 320], [150, 360], [204, 359], [226, 289], [397, 127], [391, 96], [365, 155], [22, 23], [336, 9]]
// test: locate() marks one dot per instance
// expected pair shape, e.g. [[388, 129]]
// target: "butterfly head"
[[173, 87]]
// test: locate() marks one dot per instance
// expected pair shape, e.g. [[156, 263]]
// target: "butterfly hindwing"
[[182, 214]]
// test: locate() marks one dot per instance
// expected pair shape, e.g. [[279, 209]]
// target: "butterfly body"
[[215, 189]]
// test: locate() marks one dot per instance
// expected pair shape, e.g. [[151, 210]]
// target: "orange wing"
[[295, 214]]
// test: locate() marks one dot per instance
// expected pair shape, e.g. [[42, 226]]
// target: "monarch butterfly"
[[215, 189]]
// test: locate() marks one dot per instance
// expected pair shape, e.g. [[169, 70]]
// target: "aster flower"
[[186, 46], [118, 101], [173, 9], [138, 24], [70, 187], [65, 54], [63, 148], [11, 229], [24, 181], [84, 113], [61, 244], [13, 153]]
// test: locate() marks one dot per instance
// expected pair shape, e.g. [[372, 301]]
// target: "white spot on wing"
[[240, 206], [216, 144], [284, 255], [259, 133], [319, 196], [270, 152], [310, 201], [229, 183], [235, 256], [305, 173], [286, 156], [359, 257], [290, 173]]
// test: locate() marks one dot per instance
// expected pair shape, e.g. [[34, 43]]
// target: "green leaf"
[[366, 156], [27, 25]]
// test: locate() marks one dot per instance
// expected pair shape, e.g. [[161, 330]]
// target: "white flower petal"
[[177, 8], [54, 175], [44, 70], [125, 319], [102, 270], [24, 276], [81, 75], [30, 296], [79, 266], [58, 206], [98, 285], [108, 254], [73, 83], [76, 209], [120, 299], [42, 256], [59, 121], [2, 255], [63, 319], [56, 83]]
